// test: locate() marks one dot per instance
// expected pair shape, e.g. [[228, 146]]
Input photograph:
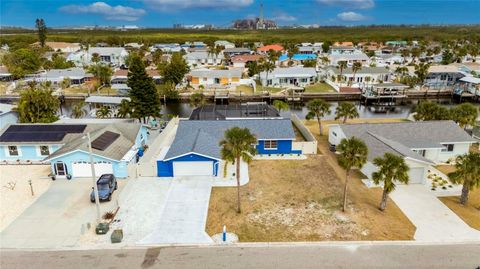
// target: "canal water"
[[184, 109]]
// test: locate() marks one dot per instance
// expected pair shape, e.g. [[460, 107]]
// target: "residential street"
[[297, 255], [435, 222]]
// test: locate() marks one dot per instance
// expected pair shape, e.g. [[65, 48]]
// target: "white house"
[[421, 144], [202, 58], [208, 77], [366, 75], [76, 75], [225, 44], [110, 55], [348, 54], [291, 76]]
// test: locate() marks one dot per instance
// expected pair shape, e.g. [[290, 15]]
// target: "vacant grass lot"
[[301, 201]]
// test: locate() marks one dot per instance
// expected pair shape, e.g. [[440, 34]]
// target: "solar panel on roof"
[[104, 140], [40, 132]]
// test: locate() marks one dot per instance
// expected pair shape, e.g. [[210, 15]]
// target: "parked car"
[[106, 184]]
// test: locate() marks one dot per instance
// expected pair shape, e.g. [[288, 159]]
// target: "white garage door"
[[416, 175], [83, 169], [192, 169]]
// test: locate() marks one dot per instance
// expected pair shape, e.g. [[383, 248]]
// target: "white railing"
[[333, 84]]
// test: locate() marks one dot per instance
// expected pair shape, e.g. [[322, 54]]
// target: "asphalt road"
[[315, 255]]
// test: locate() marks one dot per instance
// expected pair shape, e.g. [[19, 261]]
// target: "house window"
[[13, 151], [44, 150], [270, 144], [420, 152], [447, 147]]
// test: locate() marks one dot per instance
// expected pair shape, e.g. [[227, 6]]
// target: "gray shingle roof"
[[399, 138], [203, 137], [116, 151]]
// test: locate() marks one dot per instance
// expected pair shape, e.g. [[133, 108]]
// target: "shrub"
[[108, 215]]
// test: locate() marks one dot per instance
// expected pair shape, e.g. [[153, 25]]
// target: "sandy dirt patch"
[[14, 202]]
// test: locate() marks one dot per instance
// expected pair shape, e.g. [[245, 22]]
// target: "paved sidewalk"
[[184, 215], [435, 222]]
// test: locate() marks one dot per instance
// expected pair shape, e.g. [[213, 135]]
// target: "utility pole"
[[94, 180]]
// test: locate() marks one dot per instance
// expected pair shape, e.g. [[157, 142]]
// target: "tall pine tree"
[[143, 94]]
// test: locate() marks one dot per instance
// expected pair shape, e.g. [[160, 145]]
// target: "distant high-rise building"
[[259, 23]]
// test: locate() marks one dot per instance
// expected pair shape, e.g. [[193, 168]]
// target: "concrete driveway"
[[57, 218], [435, 222], [184, 214]]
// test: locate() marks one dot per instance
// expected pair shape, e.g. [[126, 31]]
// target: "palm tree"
[[292, 50], [464, 114], [197, 99], [346, 110], [95, 57], [421, 70], [267, 67], [280, 105], [66, 82], [391, 168], [124, 109], [324, 60], [342, 65], [367, 80], [237, 146], [467, 173], [357, 66], [353, 154], [318, 108], [103, 112], [78, 111]]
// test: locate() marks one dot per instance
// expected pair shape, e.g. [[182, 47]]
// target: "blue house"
[[195, 150], [64, 146]]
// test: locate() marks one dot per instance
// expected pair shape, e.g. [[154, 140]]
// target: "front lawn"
[[300, 200], [469, 213], [319, 87]]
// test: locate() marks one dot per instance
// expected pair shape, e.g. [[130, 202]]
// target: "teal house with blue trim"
[[65, 147]]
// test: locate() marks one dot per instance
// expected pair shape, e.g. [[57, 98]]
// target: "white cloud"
[[168, 5], [351, 16], [118, 13], [355, 4], [284, 17]]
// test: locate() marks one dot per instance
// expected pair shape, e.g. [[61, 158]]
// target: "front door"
[[61, 169]]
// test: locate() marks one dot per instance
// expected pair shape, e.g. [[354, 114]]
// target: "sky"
[[221, 13]]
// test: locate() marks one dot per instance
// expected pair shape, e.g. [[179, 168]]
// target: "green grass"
[[245, 89], [355, 34], [319, 87]]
